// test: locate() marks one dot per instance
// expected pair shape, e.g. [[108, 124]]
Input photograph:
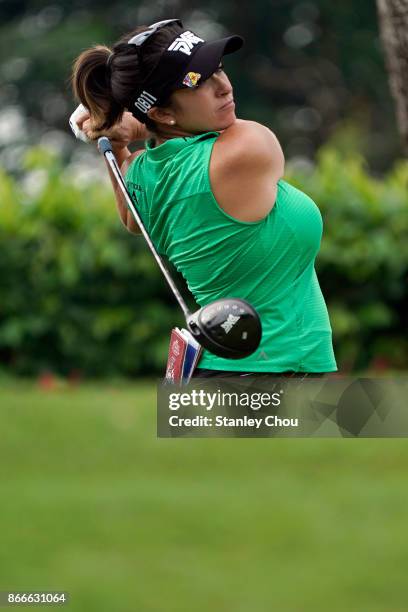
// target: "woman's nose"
[[223, 85]]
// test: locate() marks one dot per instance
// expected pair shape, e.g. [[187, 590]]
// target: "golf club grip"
[[104, 145], [105, 148]]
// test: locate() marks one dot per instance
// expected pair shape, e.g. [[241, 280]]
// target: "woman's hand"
[[121, 134]]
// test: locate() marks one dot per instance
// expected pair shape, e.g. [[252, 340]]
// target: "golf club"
[[228, 327]]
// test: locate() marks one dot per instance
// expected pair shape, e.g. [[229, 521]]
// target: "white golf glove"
[[74, 126]]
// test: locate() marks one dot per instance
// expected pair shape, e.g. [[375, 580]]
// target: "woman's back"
[[269, 262]]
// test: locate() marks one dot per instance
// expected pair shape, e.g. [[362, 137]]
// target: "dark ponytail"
[[91, 84], [104, 80]]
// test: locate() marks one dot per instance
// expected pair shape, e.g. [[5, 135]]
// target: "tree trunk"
[[394, 33]]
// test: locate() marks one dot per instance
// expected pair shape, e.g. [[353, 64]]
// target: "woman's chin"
[[217, 125], [226, 123]]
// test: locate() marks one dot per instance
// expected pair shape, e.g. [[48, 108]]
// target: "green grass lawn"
[[94, 504]]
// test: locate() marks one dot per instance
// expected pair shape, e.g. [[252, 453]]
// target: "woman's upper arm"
[[246, 164], [124, 212], [252, 144], [128, 161]]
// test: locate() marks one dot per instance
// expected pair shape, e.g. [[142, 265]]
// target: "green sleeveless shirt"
[[269, 263]]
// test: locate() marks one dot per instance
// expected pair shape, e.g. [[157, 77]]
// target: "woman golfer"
[[209, 189]]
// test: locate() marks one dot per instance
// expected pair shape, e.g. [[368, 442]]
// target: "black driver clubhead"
[[229, 327]]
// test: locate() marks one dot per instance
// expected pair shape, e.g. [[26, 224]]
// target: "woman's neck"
[[161, 137]]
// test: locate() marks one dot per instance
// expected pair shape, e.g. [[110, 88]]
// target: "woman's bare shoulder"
[[244, 128], [249, 143], [246, 163]]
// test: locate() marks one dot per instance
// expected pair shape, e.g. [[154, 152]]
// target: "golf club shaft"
[[105, 148]]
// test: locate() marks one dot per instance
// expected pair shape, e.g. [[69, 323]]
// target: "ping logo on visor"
[[185, 42], [145, 101]]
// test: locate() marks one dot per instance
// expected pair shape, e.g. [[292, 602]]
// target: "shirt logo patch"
[[191, 79], [185, 42]]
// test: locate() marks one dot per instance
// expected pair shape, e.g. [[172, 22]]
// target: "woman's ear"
[[161, 115]]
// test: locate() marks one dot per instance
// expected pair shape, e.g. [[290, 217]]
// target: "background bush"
[[79, 294], [363, 262]]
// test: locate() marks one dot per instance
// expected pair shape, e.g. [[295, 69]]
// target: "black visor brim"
[[207, 58]]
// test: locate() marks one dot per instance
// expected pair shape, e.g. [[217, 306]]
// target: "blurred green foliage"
[[81, 294], [78, 291], [363, 261], [307, 65]]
